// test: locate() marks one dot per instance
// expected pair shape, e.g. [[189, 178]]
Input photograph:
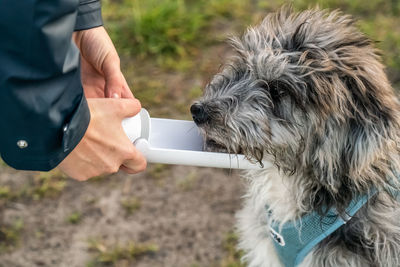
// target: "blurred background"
[[168, 215]]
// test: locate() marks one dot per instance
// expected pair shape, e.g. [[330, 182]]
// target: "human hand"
[[100, 65], [105, 148]]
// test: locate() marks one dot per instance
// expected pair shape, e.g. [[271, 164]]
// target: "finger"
[[134, 167], [113, 85], [126, 91], [128, 107], [128, 170], [112, 74], [135, 161], [117, 87]]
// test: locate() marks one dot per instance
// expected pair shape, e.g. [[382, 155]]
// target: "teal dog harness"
[[295, 239]]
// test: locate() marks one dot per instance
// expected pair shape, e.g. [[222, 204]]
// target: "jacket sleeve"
[[43, 112], [89, 15]]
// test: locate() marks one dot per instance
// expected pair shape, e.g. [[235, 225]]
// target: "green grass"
[[5, 195], [381, 29], [169, 32], [355, 7], [228, 9], [131, 205], [2, 163], [111, 255], [74, 218], [188, 182], [47, 184], [150, 92], [157, 29], [233, 255], [158, 171], [10, 235], [42, 185], [5, 192]]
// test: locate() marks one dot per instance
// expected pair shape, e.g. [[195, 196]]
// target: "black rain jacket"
[[43, 111]]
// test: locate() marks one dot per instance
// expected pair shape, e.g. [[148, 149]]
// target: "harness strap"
[[295, 239]]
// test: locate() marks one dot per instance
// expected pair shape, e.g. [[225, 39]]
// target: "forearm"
[[88, 17]]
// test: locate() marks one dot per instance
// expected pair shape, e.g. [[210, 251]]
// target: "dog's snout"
[[199, 115]]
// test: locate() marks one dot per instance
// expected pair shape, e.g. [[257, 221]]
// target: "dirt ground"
[[185, 213]]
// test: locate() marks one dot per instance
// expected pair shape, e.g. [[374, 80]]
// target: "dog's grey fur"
[[308, 92]]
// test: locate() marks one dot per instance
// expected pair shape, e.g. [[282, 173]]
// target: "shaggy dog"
[[307, 92]]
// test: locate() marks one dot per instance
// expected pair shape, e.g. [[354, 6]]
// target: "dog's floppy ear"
[[372, 130], [355, 147], [354, 143]]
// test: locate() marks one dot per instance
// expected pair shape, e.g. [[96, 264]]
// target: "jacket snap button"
[[22, 144]]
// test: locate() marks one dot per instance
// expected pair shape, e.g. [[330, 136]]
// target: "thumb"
[[114, 80], [128, 107], [113, 85]]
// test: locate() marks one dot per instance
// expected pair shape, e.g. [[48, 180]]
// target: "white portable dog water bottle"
[[178, 142]]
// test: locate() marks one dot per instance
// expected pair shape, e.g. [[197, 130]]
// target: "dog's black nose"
[[199, 115]]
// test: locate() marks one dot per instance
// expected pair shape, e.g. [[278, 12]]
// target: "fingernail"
[[115, 95]]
